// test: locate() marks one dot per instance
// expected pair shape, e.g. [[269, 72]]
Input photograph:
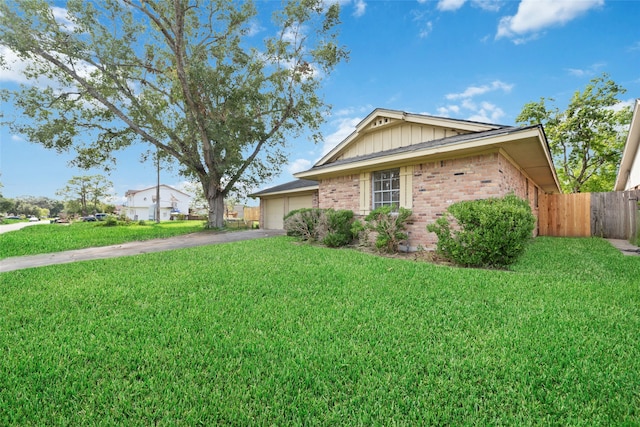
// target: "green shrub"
[[389, 225], [110, 221], [305, 223], [484, 233], [331, 227], [359, 231], [338, 228]]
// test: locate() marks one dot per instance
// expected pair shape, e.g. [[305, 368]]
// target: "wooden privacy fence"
[[610, 215]]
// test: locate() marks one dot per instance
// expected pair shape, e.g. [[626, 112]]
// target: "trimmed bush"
[[331, 227], [305, 223], [484, 233], [390, 226]]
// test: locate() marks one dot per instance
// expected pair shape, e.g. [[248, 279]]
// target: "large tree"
[[86, 190], [185, 76], [587, 139]]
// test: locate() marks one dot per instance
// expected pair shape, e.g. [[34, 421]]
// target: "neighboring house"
[[141, 204], [629, 172], [422, 163]]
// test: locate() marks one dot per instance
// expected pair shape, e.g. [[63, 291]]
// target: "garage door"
[[275, 209], [273, 213], [300, 202]]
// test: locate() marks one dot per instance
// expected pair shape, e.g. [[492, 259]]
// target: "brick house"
[[420, 162]]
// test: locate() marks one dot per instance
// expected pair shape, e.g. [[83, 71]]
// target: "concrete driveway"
[[135, 248], [5, 228]]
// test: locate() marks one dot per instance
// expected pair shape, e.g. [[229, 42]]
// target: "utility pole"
[[158, 185]]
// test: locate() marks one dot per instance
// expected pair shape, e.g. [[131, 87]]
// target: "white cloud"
[[345, 127], [298, 165], [449, 110], [360, 8], [254, 28], [15, 67], [489, 5], [453, 5], [533, 16], [592, 70], [62, 18], [479, 111], [472, 91], [450, 5], [488, 113], [426, 30]]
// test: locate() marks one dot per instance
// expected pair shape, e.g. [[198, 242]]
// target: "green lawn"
[[47, 238], [271, 332]]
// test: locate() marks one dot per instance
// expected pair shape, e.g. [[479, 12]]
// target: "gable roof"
[[630, 153], [526, 146], [288, 187], [132, 192], [383, 117]]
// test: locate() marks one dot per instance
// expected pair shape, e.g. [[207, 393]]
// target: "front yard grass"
[[270, 332], [47, 238]]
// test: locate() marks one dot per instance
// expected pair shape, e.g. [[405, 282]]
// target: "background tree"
[[587, 139], [88, 191], [186, 77], [54, 207]]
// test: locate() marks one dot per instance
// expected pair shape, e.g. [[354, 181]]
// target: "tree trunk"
[[215, 199]]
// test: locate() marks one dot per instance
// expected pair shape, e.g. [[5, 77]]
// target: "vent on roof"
[[380, 121]]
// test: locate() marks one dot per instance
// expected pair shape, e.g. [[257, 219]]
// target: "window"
[[386, 188]]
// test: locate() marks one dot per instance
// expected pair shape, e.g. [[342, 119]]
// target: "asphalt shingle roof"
[[291, 185]]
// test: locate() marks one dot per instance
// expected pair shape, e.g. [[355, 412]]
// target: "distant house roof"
[[132, 192], [291, 186]]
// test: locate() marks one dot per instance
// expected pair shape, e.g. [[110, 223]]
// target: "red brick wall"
[[340, 193], [436, 185]]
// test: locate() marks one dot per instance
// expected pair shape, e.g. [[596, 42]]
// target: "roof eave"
[[283, 192], [469, 147], [630, 150]]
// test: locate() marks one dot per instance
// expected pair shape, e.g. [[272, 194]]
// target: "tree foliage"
[[587, 139], [187, 77], [87, 191]]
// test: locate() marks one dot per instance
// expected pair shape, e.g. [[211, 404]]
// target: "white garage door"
[[300, 202], [276, 209], [273, 213]]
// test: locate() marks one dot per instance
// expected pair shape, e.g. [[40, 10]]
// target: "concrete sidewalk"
[[135, 248], [625, 247]]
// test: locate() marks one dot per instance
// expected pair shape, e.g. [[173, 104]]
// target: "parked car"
[[34, 219], [101, 216], [89, 218], [12, 217]]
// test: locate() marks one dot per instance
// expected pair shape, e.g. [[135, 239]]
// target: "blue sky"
[[469, 59]]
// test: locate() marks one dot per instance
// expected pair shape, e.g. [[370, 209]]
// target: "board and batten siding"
[[391, 136]]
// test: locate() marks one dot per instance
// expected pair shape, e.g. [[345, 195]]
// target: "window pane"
[[386, 188]]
